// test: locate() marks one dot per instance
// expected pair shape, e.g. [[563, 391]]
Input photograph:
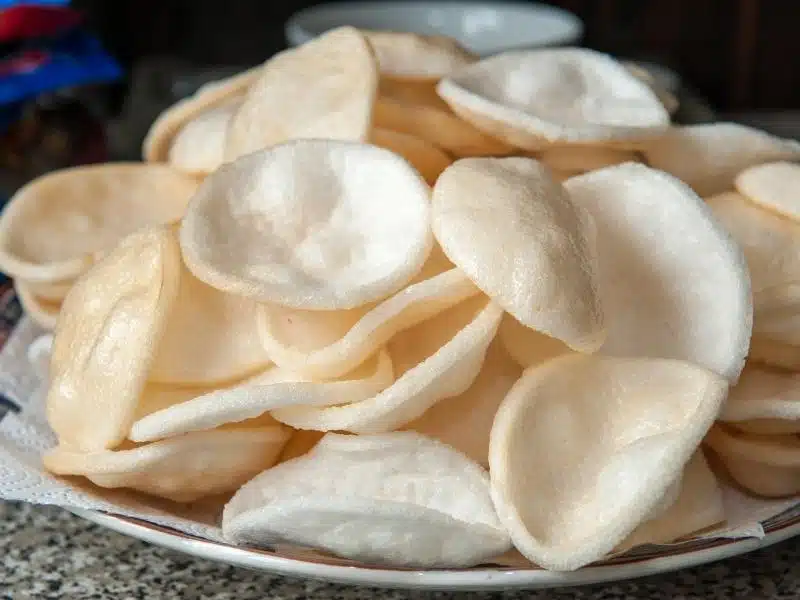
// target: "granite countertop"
[[47, 553]]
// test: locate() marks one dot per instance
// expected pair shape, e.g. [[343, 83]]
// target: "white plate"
[[482, 27], [636, 564]]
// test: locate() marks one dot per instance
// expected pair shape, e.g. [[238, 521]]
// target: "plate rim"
[[477, 579]]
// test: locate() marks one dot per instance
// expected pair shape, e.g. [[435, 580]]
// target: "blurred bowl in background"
[[485, 28]]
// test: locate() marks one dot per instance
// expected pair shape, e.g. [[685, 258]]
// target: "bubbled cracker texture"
[[690, 299], [309, 232], [530, 249], [354, 495], [584, 448]]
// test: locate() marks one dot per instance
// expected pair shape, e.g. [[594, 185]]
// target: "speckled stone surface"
[[48, 553]]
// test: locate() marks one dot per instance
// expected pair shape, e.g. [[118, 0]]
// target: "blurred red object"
[[23, 63], [23, 22]]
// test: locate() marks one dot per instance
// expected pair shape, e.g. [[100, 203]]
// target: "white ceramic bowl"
[[483, 27]]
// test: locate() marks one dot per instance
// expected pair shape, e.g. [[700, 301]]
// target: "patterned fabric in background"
[[10, 314], [10, 308]]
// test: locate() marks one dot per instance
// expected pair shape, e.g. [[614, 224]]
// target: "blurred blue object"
[[10, 3], [76, 58]]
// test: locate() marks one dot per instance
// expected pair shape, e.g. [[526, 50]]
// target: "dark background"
[[740, 54]]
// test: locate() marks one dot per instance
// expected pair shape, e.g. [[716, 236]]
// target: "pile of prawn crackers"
[[416, 309]]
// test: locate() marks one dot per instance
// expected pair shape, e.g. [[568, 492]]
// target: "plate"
[[484, 27], [638, 563]]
